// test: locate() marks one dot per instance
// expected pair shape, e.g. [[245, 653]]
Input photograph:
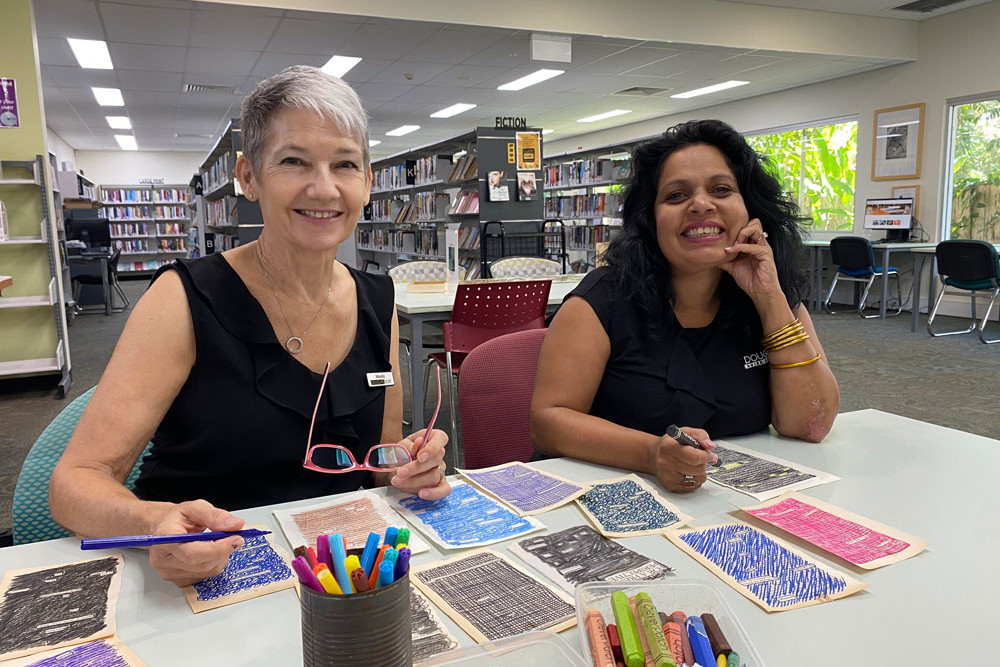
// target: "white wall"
[[129, 167], [63, 151]]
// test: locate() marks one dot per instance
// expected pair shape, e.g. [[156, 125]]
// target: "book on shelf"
[[466, 167]]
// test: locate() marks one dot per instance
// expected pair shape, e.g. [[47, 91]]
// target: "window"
[[974, 183], [816, 166]]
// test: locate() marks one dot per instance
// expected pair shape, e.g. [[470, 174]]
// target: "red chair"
[[494, 397], [483, 311]]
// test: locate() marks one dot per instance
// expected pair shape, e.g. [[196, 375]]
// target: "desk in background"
[[436, 307], [932, 482], [90, 258]]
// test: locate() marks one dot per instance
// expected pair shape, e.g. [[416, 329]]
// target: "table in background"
[[929, 481], [5, 282], [89, 258], [436, 307], [887, 249], [816, 248]]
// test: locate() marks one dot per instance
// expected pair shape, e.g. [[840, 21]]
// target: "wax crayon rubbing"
[[354, 520], [770, 572], [625, 506], [524, 487], [466, 517], [748, 473], [842, 537], [56, 605], [430, 636], [255, 564], [94, 654]]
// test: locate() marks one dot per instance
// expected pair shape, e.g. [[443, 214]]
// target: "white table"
[[887, 249], [436, 307], [926, 480]]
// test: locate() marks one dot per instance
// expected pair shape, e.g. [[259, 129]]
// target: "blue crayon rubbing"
[[94, 654], [524, 487], [254, 564], [625, 506], [771, 572], [467, 517]]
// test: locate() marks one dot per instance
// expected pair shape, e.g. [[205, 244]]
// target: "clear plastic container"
[[687, 595], [532, 649]]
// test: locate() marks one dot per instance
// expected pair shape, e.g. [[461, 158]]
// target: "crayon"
[[597, 636], [674, 632], [327, 581], [402, 563], [649, 621], [339, 570], [681, 620], [627, 633], [323, 550], [647, 656], [373, 575], [305, 574], [616, 642], [720, 646], [370, 552], [733, 659], [359, 580], [699, 642], [402, 537], [390, 536], [311, 555], [384, 574]]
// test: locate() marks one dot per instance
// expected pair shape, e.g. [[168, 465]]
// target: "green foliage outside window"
[[975, 169], [816, 166]]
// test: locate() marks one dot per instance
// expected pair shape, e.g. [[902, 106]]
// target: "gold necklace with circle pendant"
[[294, 343]]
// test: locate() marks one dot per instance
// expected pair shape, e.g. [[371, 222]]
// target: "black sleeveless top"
[[236, 433], [714, 377]]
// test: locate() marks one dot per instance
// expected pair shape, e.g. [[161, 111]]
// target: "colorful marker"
[[339, 556], [390, 536], [597, 636], [720, 645], [391, 555], [373, 576], [326, 580], [305, 574], [659, 649], [721, 661], [311, 555], [402, 563], [699, 642], [359, 580], [323, 550], [384, 575], [301, 551], [352, 563], [733, 659], [370, 552], [627, 632], [402, 537]]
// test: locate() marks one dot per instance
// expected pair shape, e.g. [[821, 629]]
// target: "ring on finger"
[[689, 480]]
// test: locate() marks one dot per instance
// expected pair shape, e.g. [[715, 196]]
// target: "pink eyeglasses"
[[335, 459]]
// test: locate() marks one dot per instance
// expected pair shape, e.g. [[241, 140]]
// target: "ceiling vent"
[[926, 6], [192, 135], [202, 88], [641, 91]]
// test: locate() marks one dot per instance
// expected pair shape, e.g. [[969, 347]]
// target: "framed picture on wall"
[[897, 146], [908, 191]]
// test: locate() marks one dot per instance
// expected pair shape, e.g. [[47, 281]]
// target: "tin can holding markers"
[[370, 628]]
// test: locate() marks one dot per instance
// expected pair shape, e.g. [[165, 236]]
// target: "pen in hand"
[[127, 541]]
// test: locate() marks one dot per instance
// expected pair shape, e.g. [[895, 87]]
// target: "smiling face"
[[312, 183], [699, 209]]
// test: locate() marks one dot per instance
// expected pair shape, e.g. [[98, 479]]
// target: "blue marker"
[[370, 552], [402, 563], [390, 556], [700, 645], [384, 574], [339, 568], [390, 536]]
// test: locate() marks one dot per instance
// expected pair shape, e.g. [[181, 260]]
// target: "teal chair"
[[30, 511]]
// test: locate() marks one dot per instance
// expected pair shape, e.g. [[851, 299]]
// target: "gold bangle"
[[794, 325], [798, 363], [797, 335], [787, 343]]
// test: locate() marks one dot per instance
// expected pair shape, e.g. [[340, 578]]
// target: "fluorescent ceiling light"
[[606, 114], [91, 53], [710, 89], [108, 97], [547, 131], [373, 142], [531, 79], [401, 130], [119, 122], [338, 66], [126, 141], [453, 110]]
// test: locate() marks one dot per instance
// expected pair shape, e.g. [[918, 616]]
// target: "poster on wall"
[[8, 103], [529, 154]]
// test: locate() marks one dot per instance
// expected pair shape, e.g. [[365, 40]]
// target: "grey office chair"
[[855, 260], [96, 279], [966, 267]]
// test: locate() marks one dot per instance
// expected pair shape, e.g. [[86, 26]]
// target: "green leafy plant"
[[975, 171]]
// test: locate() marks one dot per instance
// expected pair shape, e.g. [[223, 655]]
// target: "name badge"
[[384, 379]]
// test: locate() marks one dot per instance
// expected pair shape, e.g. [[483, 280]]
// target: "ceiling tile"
[[366, 69], [512, 51], [272, 63], [454, 44], [231, 30], [380, 92], [226, 62], [628, 59], [146, 25], [316, 36], [68, 18], [680, 63], [83, 78], [148, 57], [409, 72], [470, 75], [56, 51], [131, 79], [387, 41]]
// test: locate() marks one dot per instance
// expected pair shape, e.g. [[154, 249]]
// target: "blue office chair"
[[855, 260], [32, 519], [966, 267]]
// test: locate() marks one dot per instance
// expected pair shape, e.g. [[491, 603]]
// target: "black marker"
[[683, 438]]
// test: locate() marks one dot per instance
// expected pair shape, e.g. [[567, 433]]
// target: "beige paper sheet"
[[516, 468], [858, 529], [238, 592], [483, 590], [123, 652], [851, 585], [12, 592], [657, 497]]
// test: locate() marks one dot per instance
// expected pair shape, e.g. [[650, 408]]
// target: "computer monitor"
[[93, 233], [893, 215]]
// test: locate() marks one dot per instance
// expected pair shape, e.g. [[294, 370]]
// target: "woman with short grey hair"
[[266, 373]]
